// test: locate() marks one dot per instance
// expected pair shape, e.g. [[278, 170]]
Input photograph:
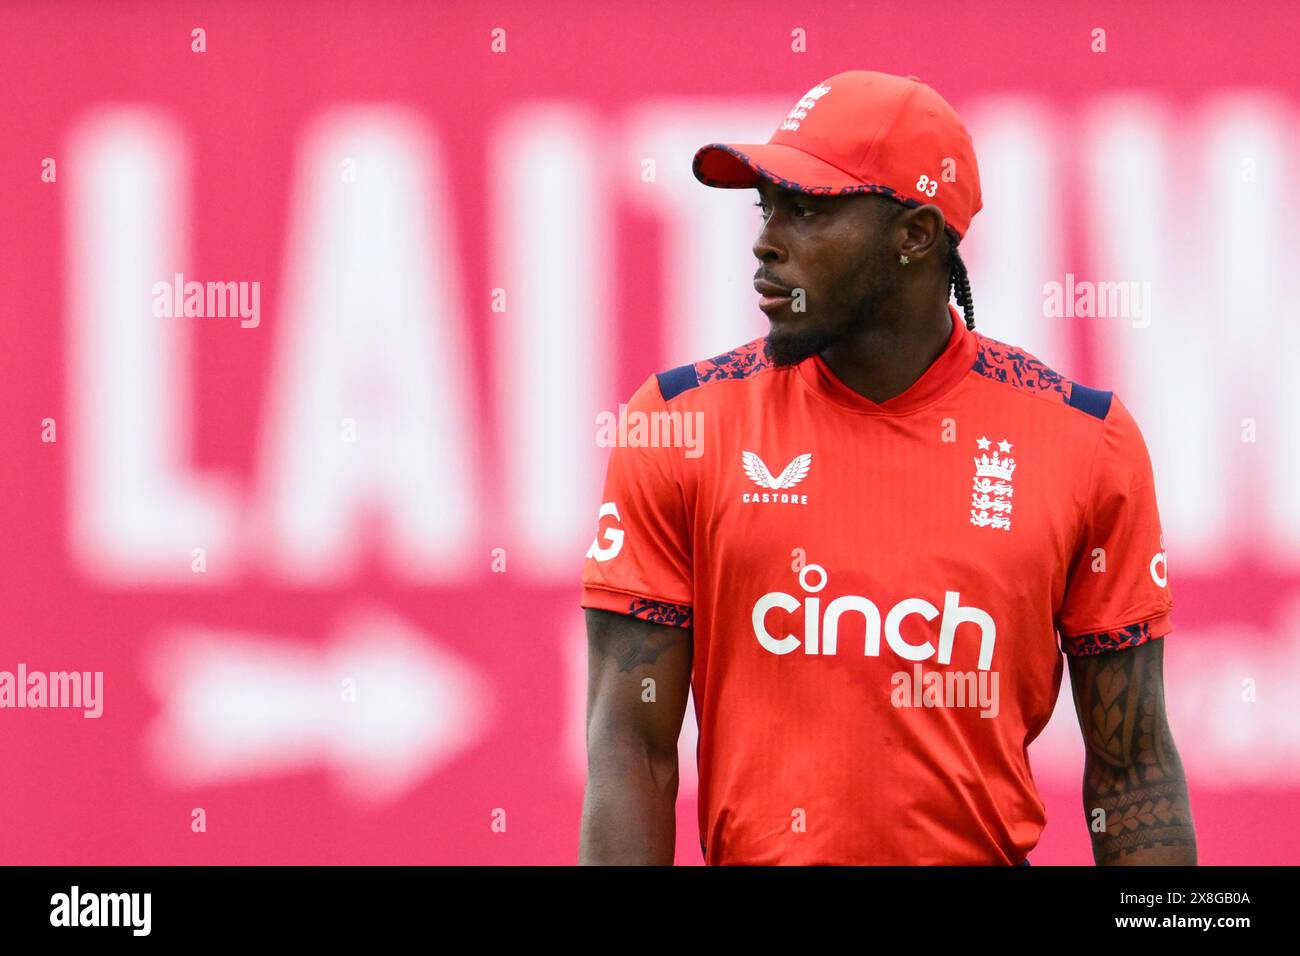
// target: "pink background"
[[1170, 158]]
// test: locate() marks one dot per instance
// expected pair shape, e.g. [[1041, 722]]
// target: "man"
[[864, 574]]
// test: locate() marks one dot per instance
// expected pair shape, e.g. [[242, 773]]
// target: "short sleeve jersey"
[[879, 593]]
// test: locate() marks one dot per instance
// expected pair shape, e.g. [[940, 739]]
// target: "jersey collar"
[[943, 375]]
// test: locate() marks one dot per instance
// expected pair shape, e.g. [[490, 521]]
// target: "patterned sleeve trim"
[[647, 609], [661, 612], [1102, 642]]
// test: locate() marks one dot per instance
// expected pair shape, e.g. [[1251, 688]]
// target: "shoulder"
[[1018, 369], [744, 362]]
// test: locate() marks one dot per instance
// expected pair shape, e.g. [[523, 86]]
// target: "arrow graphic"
[[238, 705]]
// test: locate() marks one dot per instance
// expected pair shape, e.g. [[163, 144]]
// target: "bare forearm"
[[629, 814], [1133, 823], [1134, 789]]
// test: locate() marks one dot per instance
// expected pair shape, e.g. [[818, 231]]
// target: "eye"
[[805, 211]]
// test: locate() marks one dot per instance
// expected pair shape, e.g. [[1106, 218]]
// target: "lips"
[[772, 297], [771, 290]]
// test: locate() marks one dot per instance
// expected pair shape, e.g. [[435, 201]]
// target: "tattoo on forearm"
[[1133, 772]]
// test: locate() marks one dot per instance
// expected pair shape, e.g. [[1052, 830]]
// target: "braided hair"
[[959, 282]]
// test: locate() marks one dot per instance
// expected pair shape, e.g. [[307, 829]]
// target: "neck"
[[886, 358]]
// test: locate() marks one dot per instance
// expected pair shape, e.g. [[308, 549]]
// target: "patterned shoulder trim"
[[741, 362], [1015, 367]]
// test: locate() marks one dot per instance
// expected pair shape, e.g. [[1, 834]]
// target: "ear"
[[924, 233]]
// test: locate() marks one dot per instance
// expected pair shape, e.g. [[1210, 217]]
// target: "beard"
[[792, 343], [792, 346]]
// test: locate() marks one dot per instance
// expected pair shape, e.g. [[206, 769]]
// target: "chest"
[[888, 505]]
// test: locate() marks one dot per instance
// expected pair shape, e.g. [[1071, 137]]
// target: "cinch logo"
[[821, 628], [1162, 576]]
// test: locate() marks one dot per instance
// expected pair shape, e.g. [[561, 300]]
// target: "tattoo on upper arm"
[[631, 647], [1133, 772]]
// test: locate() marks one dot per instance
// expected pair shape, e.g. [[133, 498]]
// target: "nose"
[[768, 247]]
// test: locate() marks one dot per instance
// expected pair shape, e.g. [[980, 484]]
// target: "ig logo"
[[613, 536]]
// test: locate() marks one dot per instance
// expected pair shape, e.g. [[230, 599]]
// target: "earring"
[[903, 259]]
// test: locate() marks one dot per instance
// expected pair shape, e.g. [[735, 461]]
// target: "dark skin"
[[629, 807], [1132, 772], [876, 322], [879, 325]]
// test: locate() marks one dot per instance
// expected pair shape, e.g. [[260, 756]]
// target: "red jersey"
[[876, 590]]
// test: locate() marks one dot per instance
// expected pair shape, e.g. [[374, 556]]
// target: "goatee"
[[792, 347], [786, 346]]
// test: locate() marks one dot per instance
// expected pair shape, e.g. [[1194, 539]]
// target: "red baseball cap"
[[861, 132]]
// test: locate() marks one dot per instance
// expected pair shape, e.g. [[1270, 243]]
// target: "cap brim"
[[740, 165]]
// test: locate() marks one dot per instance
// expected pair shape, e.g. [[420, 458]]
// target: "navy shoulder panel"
[[677, 380], [1091, 400]]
